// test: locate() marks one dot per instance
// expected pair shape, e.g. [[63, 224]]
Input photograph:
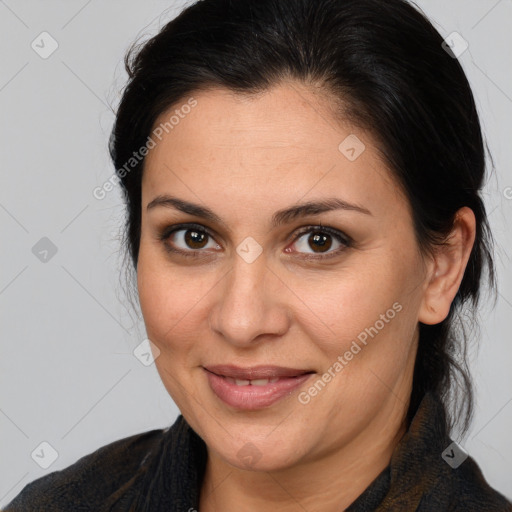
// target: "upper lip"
[[255, 372]]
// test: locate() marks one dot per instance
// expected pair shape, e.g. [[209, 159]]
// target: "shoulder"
[[101, 477], [468, 490], [429, 471]]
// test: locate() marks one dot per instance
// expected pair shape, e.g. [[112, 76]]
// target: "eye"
[[194, 240], [320, 240], [188, 239]]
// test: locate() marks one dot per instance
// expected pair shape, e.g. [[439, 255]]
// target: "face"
[[237, 284]]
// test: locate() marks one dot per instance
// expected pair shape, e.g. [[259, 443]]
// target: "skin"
[[246, 157]]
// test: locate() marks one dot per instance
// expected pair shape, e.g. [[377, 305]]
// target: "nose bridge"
[[246, 307]]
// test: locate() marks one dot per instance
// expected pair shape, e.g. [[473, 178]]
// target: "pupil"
[[321, 241]]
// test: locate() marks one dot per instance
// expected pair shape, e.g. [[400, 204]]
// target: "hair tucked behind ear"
[[384, 62]]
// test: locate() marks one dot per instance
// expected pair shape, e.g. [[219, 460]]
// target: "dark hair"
[[385, 64]]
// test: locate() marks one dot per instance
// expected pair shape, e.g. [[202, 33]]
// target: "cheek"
[[339, 305], [366, 311], [167, 305], [174, 302], [165, 296]]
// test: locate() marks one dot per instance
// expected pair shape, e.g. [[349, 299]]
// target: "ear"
[[446, 268]]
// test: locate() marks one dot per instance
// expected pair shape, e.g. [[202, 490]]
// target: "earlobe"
[[447, 268]]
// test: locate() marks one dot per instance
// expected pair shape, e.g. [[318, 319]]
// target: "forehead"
[[274, 147], [282, 119]]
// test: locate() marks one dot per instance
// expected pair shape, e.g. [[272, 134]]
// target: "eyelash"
[[341, 237]]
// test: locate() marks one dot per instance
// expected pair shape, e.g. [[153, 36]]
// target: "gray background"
[[67, 369]]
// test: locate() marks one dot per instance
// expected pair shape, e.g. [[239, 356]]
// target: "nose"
[[251, 304]]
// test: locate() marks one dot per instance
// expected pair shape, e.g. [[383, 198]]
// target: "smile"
[[254, 388]]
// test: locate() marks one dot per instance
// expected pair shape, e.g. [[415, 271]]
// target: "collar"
[[417, 477]]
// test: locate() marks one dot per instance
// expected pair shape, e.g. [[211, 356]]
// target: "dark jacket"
[[162, 470]]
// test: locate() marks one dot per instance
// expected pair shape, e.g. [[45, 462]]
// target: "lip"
[[253, 397], [255, 372]]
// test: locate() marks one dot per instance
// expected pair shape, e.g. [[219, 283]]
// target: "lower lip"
[[253, 397]]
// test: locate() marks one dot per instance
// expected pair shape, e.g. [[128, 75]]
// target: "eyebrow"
[[284, 216]]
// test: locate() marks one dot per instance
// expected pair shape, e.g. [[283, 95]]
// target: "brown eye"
[[195, 239], [320, 242], [188, 240], [315, 242]]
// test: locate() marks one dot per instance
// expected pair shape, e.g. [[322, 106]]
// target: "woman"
[[302, 181]]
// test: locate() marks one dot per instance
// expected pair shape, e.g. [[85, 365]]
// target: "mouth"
[[254, 387]]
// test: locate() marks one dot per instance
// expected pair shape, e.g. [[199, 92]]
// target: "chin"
[[251, 458], [257, 453]]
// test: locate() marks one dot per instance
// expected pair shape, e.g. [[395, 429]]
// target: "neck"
[[330, 482]]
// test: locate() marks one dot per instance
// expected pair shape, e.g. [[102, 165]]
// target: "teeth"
[[259, 382], [255, 382]]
